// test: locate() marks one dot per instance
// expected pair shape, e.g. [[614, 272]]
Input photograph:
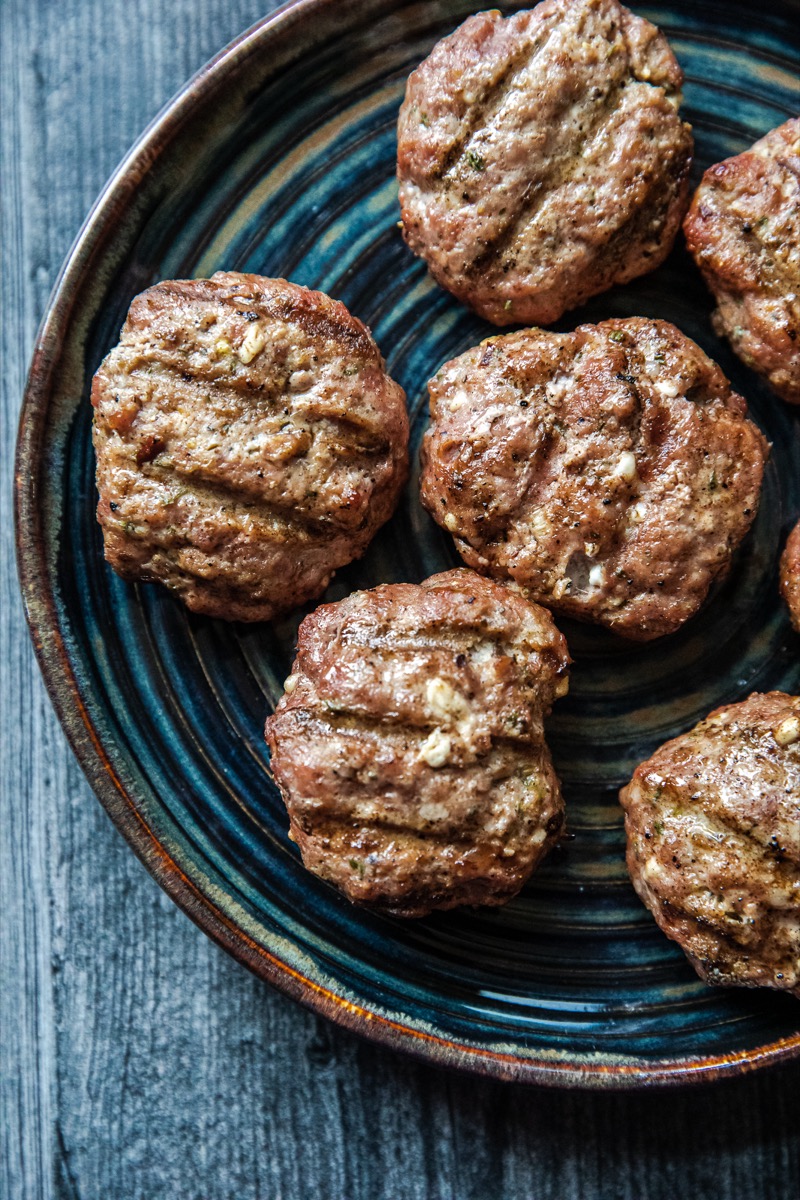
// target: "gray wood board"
[[138, 1059]]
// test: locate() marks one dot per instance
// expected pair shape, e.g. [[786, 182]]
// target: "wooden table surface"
[[138, 1059]]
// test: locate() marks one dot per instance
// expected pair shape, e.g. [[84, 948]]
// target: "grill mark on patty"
[[280, 518], [634, 371], [713, 821], [201, 485], [378, 446], [535, 197], [769, 276], [521, 699], [504, 520], [483, 880], [726, 958], [450, 641], [456, 829], [340, 333], [403, 730], [337, 824], [607, 556], [348, 450], [494, 92], [704, 926], [783, 281], [175, 384], [633, 229], [774, 279], [787, 165], [330, 322], [182, 578], [177, 376], [497, 521], [391, 647]]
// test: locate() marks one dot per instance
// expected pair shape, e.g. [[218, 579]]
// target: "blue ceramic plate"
[[278, 158]]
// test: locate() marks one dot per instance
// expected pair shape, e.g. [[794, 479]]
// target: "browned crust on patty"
[[790, 575], [611, 472], [249, 442], [541, 157], [409, 746], [713, 826], [743, 228]]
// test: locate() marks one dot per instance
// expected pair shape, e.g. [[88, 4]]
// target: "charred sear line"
[[372, 726], [766, 270], [427, 639], [721, 932], [359, 440], [536, 194], [350, 830], [780, 279], [491, 99], [661, 193], [325, 721], [177, 377], [726, 831], [343, 337], [790, 165], [281, 517], [506, 520], [347, 437], [634, 370], [328, 323], [452, 643]]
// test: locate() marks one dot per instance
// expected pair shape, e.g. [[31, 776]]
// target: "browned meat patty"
[[743, 228], [790, 575], [409, 746], [248, 440], [713, 825], [541, 157], [611, 471]]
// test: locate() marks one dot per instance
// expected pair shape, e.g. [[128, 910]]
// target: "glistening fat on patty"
[[249, 442], [541, 157], [611, 472], [409, 746]]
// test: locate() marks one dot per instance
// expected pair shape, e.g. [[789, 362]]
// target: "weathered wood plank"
[[139, 1061]]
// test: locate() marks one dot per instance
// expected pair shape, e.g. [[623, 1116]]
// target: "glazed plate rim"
[[97, 757]]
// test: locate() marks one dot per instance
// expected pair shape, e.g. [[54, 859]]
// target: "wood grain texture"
[[138, 1060]]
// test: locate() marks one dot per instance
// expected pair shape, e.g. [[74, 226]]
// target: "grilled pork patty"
[[541, 157], [248, 440], [409, 746], [611, 472], [713, 826]]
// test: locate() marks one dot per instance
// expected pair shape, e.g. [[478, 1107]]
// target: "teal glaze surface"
[[280, 161]]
